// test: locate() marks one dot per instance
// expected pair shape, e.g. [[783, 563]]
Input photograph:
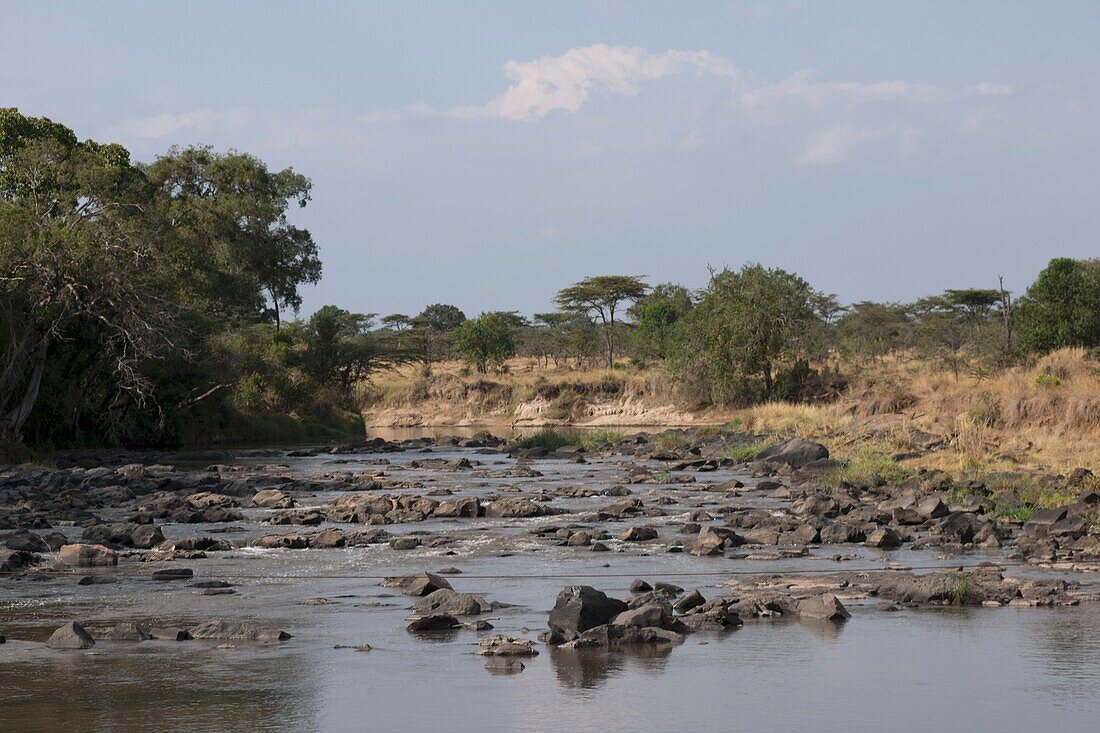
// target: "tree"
[[869, 330], [747, 326], [230, 213], [1062, 307], [441, 317], [340, 349], [940, 329], [486, 341], [656, 315], [80, 265], [600, 297]]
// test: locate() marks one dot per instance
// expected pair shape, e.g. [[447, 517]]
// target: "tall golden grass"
[[1042, 416]]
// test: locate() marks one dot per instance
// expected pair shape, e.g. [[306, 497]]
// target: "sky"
[[487, 154]]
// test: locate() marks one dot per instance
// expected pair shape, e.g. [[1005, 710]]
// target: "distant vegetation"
[[156, 304]]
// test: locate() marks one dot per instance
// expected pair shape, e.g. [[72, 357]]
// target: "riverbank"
[[1044, 417]]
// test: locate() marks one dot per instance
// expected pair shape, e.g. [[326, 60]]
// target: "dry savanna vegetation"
[[1043, 415]]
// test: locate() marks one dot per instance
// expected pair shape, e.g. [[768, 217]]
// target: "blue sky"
[[488, 153]]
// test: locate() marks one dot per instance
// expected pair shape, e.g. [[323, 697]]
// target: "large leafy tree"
[[747, 326], [1062, 306], [601, 298], [229, 213], [486, 341], [83, 273], [656, 315]]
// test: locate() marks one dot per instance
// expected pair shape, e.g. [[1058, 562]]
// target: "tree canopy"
[[600, 297]]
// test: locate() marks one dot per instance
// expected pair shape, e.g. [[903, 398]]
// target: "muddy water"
[[979, 669]]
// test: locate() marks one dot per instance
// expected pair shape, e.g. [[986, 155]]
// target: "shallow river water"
[[1004, 669]]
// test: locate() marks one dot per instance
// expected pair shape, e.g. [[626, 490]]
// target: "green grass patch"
[[747, 451], [595, 440], [671, 441], [866, 465], [552, 439], [959, 592]]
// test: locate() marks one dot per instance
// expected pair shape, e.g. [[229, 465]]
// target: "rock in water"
[[581, 607], [425, 583], [433, 622], [796, 452], [506, 646], [827, 607], [87, 556], [71, 636], [170, 633], [125, 631], [237, 631]]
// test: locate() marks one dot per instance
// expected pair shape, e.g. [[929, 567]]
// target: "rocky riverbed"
[[433, 557]]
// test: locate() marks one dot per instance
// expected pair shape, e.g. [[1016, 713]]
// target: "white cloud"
[[988, 88], [801, 88], [166, 124], [833, 144], [566, 82]]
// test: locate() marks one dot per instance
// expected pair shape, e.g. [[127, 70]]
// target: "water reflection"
[[588, 669], [823, 628], [128, 688]]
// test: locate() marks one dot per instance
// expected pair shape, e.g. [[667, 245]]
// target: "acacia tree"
[[600, 297]]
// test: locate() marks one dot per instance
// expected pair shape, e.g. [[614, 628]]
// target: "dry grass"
[[1045, 416]]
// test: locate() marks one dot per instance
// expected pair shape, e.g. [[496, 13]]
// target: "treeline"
[[756, 334], [147, 303]]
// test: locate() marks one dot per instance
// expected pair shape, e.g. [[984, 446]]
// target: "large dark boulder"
[[141, 536], [581, 607], [796, 452]]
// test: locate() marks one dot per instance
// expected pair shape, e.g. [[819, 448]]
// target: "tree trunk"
[[609, 330], [768, 381], [11, 426]]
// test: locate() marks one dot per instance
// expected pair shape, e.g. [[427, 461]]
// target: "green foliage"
[[1062, 307], [133, 298], [441, 318], [671, 441], [871, 330], [961, 590], [747, 325], [1048, 380], [548, 438], [746, 452], [595, 440], [867, 466], [486, 341]]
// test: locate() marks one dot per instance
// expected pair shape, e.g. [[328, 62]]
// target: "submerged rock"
[[238, 631]]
